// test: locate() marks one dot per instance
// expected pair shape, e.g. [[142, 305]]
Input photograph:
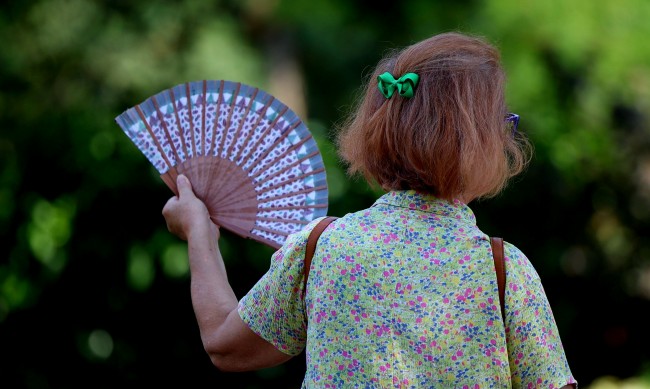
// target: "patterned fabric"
[[404, 295], [209, 129]]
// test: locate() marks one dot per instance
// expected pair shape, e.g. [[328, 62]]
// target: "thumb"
[[184, 186]]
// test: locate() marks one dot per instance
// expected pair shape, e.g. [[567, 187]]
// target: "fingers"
[[169, 205], [186, 213], [184, 186]]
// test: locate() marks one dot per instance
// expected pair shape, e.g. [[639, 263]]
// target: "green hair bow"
[[405, 85]]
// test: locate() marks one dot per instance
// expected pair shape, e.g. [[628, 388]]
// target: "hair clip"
[[405, 85], [512, 122]]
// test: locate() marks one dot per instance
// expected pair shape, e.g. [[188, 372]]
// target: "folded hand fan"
[[248, 156]]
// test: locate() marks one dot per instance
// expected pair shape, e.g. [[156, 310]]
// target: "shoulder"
[[296, 243], [517, 263], [524, 286]]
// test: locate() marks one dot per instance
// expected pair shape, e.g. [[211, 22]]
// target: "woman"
[[402, 294]]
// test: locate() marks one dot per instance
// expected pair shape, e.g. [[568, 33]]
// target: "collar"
[[415, 201]]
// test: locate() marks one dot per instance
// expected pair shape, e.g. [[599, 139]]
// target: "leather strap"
[[311, 246], [500, 268]]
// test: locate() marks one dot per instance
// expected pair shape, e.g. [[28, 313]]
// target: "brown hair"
[[450, 138]]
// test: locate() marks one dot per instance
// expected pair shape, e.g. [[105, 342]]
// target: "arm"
[[231, 345], [535, 349]]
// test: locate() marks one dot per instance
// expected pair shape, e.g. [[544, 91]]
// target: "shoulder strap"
[[499, 266], [311, 245]]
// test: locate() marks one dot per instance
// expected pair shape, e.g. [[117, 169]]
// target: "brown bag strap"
[[500, 268], [311, 246]]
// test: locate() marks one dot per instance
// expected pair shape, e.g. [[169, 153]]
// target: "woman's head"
[[450, 139]]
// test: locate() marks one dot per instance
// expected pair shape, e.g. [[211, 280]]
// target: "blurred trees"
[[94, 291]]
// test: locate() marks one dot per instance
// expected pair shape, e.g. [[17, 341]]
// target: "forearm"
[[212, 296], [231, 345], [226, 338]]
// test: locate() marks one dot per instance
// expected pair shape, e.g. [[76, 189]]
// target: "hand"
[[185, 213]]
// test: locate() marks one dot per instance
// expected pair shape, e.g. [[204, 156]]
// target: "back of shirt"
[[404, 294]]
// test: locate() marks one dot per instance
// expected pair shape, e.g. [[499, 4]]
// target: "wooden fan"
[[248, 156]]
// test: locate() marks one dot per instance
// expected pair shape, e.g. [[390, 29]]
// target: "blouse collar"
[[415, 201]]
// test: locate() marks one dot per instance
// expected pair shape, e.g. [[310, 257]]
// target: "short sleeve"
[[274, 308], [536, 354]]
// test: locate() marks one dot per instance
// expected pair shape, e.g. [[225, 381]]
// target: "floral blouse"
[[404, 295]]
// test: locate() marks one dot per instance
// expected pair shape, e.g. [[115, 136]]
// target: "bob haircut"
[[450, 139]]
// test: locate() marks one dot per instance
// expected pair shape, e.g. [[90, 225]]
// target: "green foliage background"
[[94, 291]]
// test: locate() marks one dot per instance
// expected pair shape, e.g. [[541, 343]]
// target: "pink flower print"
[[518, 358]]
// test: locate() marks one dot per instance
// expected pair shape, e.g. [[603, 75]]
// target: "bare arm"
[[231, 345]]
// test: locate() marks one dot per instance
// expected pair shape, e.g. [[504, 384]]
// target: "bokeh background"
[[94, 292]]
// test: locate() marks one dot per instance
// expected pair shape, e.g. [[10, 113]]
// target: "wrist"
[[201, 229]]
